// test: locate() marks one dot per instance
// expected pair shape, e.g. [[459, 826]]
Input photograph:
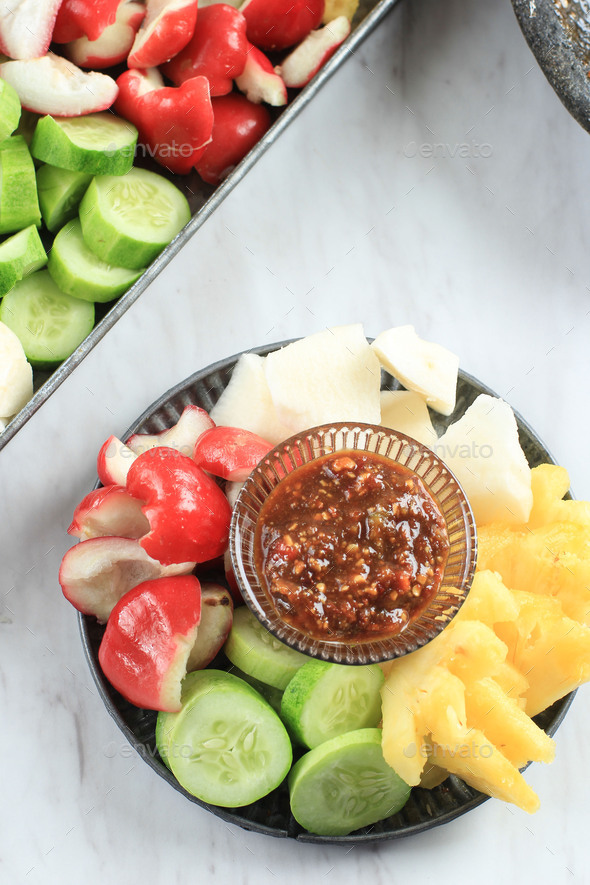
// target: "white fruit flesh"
[[118, 514], [114, 461], [427, 368], [407, 412], [259, 84], [96, 573], [182, 436], [483, 451], [26, 27], [54, 85], [246, 402], [331, 376], [114, 43], [307, 58], [16, 375], [214, 626]]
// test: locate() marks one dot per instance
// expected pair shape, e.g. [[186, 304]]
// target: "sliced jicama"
[[246, 402], [483, 451], [406, 411], [54, 85], [429, 369], [333, 375]]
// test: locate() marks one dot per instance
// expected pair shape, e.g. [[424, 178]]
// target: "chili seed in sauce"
[[351, 546]]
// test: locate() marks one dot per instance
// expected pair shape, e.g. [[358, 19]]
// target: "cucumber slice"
[[20, 255], [269, 692], [19, 206], [258, 653], [228, 747], [78, 271], [324, 700], [345, 784], [128, 220], [60, 192], [49, 323], [100, 144], [166, 722], [10, 109]]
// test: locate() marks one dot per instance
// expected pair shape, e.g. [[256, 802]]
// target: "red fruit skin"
[[108, 511], [238, 125], [278, 24], [217, 50], [95, 55], [230, 452], [186, 509], [168, 38], [141, 652], [79, 18], [174, 122]]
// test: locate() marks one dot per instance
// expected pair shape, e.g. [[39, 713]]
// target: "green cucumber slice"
[[323, 700], [345, 784], [128, 220], [228, 747], [257, 652], [78, 271], [20, 255], [19, 206], [10, 109], [269, 692], [60, 192], [166, 722], [49, 323], [100, 144]]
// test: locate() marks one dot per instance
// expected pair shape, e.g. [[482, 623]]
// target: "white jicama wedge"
[[483, 451], [16, 374], [246, 402], [53, 85], [26, 27], [333, 375], [419, 365], [96, 573], [182, 436], [407, 412], [313, 52]]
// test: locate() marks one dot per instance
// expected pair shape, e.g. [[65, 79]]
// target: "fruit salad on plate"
[[240, 711]]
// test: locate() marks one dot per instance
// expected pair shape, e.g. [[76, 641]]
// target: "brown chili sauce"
[[350, 547]]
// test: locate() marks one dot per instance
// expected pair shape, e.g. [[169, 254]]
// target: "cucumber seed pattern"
[[138, 200], [230, 754]]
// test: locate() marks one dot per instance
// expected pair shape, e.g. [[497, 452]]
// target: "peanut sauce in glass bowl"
[[350, 546]]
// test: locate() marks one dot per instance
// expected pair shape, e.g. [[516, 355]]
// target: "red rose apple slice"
[[305, 61], [109, 511], [96, 573], [113, 45], [238, 124], [26, 27], [54, 85], [188, 513], [83, 18], [167, 28], [278, 24], [182, 436], [113, 462], [217, 613], [230, 452], [148, 639], [259, 81]]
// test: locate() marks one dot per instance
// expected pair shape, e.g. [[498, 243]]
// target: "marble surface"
[[435, 180]]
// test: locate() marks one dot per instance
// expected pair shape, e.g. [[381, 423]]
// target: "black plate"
[[271, 815], [559, 37]]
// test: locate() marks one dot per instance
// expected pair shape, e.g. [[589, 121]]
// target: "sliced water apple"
[[96, 573], [483, 451], [216, 620], [109, 511], [305, 60], [182, 436], [427, 368], [114, 462]]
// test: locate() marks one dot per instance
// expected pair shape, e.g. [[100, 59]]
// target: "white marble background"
[[435, 180]]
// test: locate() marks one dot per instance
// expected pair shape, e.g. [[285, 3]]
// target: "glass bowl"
[[439, 481]]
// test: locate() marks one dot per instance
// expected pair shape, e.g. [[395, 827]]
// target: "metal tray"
[[203, 200], [271, 815], [558, 34]]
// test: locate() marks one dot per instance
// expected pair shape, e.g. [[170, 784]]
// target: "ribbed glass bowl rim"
[[307, 446]]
